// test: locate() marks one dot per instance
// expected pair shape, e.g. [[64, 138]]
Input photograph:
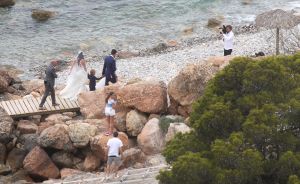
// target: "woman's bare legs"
[[108, 124], [112, 124]]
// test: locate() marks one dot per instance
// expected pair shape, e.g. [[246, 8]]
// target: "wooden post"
[[277, 41]]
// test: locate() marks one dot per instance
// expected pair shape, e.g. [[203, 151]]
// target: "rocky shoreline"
[[62, 146]]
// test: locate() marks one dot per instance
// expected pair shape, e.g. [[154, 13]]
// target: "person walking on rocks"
[[109, 68], [110, 112], [49, 82], [114, 153], [228, 37]]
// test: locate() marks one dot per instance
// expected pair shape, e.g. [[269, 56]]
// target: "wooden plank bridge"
[[30, 106]]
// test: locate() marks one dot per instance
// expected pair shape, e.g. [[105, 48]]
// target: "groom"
[[49, 82], [109, 68]]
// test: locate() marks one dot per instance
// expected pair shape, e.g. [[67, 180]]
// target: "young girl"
[[110, 112]]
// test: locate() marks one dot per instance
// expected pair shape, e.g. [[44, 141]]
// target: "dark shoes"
[[56, 104]]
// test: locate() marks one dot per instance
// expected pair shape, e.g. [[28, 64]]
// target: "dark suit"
[[49, 82], [109, 70]]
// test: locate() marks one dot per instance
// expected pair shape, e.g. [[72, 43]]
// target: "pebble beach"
[[166, 65]]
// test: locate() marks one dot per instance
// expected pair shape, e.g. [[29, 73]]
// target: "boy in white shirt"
[[114, 152], [228, 40]]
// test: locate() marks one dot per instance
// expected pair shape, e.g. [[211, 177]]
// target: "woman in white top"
[[77, 79], [110, 112]]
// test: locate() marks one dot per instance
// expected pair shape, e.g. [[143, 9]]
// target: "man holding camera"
[[228, 39]]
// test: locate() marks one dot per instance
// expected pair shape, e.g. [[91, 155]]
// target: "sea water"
[[97, 26]]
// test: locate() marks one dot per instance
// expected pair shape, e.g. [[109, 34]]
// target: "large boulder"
[[7, 3], [132, 156], [41, 15], [135, 121], [151, 140], [58, 118], [91, 162], [190, 83], [92, 103], [2, 153], [27, 127], [38, 163], [120, 121], [44, 125], [80, 133], [100, 124], [36, 85], [29, 141], [146, 96], [5, 79], [214, 22], [15, 159], [56, 137], [6, 126], [99, 144], [3, 85], [63, 159], [175, 128]]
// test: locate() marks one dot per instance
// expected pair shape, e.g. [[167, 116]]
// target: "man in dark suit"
[[49, 82], [109, 68]]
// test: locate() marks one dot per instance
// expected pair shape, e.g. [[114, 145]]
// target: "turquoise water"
[[96, 26]]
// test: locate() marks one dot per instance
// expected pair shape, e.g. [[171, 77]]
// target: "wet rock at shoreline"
[[41, 15], [127, 54], [213, 22], [7, 3], [6, 127], [5, 81]]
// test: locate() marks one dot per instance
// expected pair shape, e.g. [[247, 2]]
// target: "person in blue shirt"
[[109, 68]]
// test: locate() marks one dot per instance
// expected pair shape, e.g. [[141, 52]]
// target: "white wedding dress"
[[76, 83]]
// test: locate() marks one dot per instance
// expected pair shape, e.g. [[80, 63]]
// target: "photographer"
[[228, 39]]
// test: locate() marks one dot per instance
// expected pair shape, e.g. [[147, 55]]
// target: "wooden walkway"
[[30, 106]]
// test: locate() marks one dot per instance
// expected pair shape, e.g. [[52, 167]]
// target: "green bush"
[[165, 121], [246, 126]]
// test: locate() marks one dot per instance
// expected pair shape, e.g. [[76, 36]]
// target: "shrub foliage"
[[246, 127]]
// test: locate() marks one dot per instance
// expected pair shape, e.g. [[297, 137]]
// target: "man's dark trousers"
[[48, 89]]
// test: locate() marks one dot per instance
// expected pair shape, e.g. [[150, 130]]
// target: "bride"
[[76, 79]]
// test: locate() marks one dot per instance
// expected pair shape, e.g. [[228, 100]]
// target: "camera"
[[223, 30]]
